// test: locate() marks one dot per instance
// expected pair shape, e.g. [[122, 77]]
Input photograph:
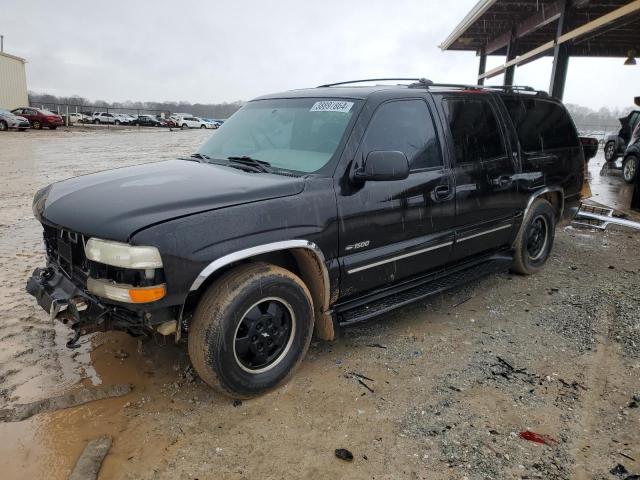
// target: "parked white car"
[[104, 117], [192, 122], [121, 119]]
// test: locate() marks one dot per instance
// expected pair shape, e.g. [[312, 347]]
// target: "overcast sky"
[[206, 51]]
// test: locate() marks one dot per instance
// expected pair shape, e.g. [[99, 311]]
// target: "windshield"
[[299, 134]]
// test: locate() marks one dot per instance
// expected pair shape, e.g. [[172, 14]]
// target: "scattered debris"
[[376, 345], [365, 385], [90, 461], [363, 377], [627, 456], [120, 354], [536, 437], [619, 470], [344, 454], [70, 399], [237, 403]]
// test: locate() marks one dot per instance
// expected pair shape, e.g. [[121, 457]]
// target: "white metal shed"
[[13, 82]]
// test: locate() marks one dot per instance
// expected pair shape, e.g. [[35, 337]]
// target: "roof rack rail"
[[426, 83], [421, 81]]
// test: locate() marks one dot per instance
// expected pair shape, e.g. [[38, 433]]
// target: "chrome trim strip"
[[259, 249], [398, 257], [485, 232]]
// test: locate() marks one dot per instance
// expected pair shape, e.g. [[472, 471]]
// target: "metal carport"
[[525, 30]]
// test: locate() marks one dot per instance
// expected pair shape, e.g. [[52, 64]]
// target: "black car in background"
[[309, 210], [616, 144], [146, 121]]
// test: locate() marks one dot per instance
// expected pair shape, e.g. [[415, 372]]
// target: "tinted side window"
[[405, 126], [475, 129], [541, 125]]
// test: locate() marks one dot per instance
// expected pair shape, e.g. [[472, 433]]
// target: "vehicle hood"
[[115, 204]]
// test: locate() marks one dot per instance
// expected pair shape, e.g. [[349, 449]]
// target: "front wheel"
[[184, 126], [251, 329], [37, 125], [3, 126], [630, 168], [203, 126], [534, 242], [610, 151]]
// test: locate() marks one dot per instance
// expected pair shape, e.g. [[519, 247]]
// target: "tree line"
[[206, 110]]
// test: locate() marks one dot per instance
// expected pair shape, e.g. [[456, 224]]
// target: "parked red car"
[[39, 118]]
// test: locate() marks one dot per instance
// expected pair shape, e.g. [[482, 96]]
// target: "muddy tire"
[[630, 167], [251, 329], [535, 240], [610, 151]]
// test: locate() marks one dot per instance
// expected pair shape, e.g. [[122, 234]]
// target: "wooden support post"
[[511, 54], [560, 58], [482, 67]]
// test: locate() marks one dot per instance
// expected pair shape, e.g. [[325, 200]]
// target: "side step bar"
[[358, 311]]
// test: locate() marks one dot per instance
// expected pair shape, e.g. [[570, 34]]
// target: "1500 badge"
[[358, 245]]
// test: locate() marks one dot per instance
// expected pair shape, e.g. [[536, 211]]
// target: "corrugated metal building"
[[13, 82]]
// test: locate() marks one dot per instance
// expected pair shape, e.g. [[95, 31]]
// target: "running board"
[[413, 292]]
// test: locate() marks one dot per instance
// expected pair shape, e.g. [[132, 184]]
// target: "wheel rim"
[[264, 335], [630, 169], [36, 124], [537, 237], [608, 154]]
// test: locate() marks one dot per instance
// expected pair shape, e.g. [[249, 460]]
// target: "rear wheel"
[[630, 168], [610, 151], [535, 240], [3, 126], [251, 330]]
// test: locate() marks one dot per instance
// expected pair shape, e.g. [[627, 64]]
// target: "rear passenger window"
[[405, 126], [475, 129], [541, 125]]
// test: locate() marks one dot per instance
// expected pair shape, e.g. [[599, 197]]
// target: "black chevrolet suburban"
[[306, 211]]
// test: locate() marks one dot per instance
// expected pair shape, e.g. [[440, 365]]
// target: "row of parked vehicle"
[[39, 118]]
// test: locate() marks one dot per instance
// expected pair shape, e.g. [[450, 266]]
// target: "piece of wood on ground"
[[90, 460]]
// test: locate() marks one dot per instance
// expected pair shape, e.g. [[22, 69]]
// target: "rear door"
[[392, 230], [551, 153], [485, 169]]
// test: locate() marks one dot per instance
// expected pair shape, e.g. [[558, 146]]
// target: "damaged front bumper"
[[64, 301], [67, 302]]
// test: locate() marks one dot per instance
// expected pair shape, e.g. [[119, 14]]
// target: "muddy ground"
[[453, 380]]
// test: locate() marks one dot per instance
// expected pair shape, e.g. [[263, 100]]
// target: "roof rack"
[[422, 81], [426, 83]]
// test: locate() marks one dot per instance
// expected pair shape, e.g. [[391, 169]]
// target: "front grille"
[[66, 249]]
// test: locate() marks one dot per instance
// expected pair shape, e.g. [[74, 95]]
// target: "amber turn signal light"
[[148, 294]]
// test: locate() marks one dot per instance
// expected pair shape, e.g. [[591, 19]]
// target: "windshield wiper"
[[200, 156], [259, 165]]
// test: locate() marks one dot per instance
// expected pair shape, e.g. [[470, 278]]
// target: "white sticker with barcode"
[[331, 106]]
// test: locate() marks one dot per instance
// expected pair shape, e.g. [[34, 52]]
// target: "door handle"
[[504, 180], [441, 192]]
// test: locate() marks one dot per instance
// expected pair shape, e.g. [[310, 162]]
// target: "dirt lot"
[[450, 382]]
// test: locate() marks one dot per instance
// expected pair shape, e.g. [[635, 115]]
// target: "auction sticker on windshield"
[[331, 106]]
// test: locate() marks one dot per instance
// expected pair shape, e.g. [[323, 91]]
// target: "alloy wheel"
[[537, 235], [264, 335]]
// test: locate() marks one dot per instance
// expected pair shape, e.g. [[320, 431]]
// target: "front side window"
[[299, 134], [541, 125], [475, 130], [405, 126]]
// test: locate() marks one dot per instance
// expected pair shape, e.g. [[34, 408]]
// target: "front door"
[[486, 189], [392, 230]]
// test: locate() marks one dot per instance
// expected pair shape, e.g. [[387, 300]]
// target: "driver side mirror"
[[381, 166]]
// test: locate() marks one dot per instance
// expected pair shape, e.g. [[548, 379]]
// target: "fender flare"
[[266, 248], [536, 195]]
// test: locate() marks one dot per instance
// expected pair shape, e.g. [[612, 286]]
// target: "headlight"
[[122, 255]]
